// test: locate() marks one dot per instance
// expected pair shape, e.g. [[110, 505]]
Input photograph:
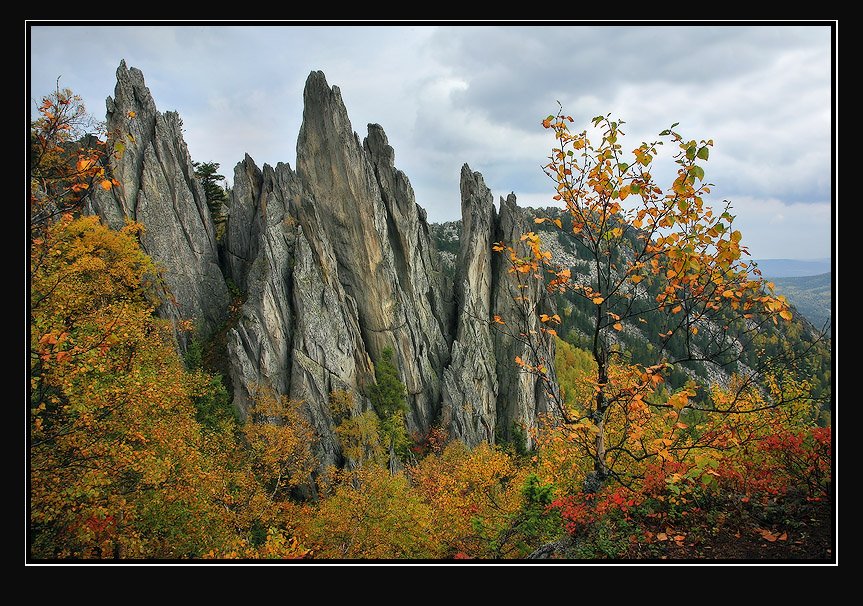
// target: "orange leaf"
[[636, 279], [106, 184], [661, 536], [786, 315], [767, 535], [598, 300], [618, 326]]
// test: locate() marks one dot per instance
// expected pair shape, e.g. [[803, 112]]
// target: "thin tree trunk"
[[596, 479]]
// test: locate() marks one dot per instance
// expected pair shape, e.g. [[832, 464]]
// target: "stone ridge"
[[337, 263], [159, 189]]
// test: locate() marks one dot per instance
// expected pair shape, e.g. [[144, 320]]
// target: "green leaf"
[[634, 188], [704, 153], [675, 124], [623, 167], [665, 133], [690, 153], [698, 172]]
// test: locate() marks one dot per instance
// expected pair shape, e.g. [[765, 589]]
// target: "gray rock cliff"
[[470, 380], [380, 240], [522, 395], [335, 262], [159, 189]]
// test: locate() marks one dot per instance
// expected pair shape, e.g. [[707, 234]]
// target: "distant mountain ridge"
[[792, 268]]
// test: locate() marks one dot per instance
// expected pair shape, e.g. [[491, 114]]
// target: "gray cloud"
[[450, 95]]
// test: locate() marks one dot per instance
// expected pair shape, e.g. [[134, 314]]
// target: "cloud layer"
[[449, 95]]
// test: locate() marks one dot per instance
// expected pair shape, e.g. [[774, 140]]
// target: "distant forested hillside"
[[809, 294]]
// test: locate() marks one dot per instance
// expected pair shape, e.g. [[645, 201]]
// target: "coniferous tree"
[[210, 178]]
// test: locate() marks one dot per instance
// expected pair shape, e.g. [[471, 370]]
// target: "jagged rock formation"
[[336, 263], [380, 239], [159, 189], [521, 395], [470, 397]]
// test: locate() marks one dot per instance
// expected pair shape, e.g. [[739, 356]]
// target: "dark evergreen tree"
[[388, 394], [389, 398], [210, 178]]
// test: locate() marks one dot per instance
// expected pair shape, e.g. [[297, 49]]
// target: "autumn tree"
[[280, 438], [117, 465], [476, 496], [652, 250], [67, 160], [359, 434], [371, 513]]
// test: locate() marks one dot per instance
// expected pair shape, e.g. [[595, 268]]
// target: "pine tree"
[[207, 173]]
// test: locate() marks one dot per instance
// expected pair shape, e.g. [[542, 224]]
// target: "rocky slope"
[[337, 263]]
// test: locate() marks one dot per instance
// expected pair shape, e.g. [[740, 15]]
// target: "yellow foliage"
[[472, 494], [371, 514], [280, 438], [117, 468]]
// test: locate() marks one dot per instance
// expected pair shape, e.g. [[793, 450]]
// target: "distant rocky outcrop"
[[336, 262], [159, 189]]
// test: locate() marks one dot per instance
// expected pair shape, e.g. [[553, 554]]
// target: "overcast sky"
[[450, 95]]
